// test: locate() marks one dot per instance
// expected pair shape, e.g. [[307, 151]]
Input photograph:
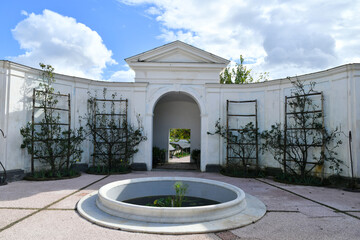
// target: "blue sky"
[[90, 38], [124, 29]]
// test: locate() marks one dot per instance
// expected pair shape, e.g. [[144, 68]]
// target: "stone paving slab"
[[70, 202], [180, 160], [69, 225], [277, 226], [227, 235], [274, 198], [38, 194], [319, 211], [277, 199], [355, 214], [337, 198], [8, 216]]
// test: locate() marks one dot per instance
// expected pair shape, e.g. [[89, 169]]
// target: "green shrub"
[[44, 175], [195, 156], [104, 170], [158, 156]]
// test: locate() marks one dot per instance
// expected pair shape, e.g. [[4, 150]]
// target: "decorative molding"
[[176, 47]]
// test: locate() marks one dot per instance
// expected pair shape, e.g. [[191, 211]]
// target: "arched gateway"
[[176, 68], [176, 110]]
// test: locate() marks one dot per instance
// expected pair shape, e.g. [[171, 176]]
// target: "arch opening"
[[176, 110]]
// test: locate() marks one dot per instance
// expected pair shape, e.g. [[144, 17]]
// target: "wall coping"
[[5, 64]]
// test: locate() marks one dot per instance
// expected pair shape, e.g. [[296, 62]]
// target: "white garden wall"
[[178, 67]]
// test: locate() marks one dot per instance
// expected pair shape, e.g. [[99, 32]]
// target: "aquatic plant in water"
[[172, 201]]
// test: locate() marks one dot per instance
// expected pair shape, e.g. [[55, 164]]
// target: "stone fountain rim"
[[239, 192], [88, 209]]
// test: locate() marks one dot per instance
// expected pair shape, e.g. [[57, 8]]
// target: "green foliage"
[[240, 74], [163, 202], [158, 156], [240, 143], [53, 144], [177, 134], [274, 142], [44, 175], [305, 137], [181, 154], [173, 201], [47, 79], [195, 156], [115, 140], [180, 191], [301, 180], [104, 170]]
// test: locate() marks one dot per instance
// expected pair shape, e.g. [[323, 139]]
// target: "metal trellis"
[[254, 118], [293, 128], [34, 123], [98, 129]]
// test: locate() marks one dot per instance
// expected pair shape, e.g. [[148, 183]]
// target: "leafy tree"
[[51, 144], [177, 134], [240, 74]]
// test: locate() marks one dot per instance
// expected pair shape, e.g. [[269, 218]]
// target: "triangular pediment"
[[177, 52], [175, 62], [178, 55]]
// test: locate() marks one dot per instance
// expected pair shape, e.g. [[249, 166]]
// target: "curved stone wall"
[[341, 87]]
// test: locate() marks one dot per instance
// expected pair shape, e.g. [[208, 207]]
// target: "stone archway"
[[176, 110]]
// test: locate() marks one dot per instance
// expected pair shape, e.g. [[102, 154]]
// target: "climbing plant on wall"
[[303, 143], [241, 149], [49, 137], [240, 135], [114, 140], [241, 145]]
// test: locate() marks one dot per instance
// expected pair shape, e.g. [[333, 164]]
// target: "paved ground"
[[47, 210], [178, 164], [180, 160]]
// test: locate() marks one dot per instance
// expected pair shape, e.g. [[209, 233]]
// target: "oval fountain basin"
[[111, 196]]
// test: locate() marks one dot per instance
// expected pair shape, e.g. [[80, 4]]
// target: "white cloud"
[[123, 76], [153, 11], [282, 37], [70, 47], [25, 13]]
